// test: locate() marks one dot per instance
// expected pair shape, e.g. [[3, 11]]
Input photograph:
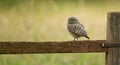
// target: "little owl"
[[75, 28]]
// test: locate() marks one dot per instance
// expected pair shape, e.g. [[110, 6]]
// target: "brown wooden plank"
[[52, 47], [113, 37]]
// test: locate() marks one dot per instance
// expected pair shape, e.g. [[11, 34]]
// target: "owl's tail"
[[87, 37]]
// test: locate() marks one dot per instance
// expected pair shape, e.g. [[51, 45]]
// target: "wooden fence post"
[[113, 37]]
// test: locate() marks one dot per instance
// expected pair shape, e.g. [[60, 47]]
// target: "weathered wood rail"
[[52, 47]]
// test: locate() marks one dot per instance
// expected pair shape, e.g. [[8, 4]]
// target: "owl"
[[76, 29]]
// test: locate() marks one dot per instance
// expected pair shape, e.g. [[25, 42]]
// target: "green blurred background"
[[45, 20]]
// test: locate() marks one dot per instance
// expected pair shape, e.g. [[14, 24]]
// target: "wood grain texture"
[[52, 47], [113, 37]]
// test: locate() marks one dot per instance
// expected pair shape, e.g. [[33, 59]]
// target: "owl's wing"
[[79, 30], [82, 25]]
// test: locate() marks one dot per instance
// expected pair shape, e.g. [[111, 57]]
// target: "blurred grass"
[[54, 59], [45, 20]]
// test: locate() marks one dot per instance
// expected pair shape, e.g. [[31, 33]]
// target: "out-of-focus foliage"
[[45, 20]]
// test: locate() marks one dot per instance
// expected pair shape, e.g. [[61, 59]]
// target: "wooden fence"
[[110, 46]]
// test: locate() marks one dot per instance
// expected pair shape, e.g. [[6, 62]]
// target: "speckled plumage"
[[75, 28]]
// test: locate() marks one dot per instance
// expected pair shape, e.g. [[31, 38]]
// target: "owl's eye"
[[71, 20]]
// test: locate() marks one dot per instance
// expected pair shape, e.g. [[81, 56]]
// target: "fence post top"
[[113, 12]]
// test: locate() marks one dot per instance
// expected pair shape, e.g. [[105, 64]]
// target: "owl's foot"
[[75, 39]]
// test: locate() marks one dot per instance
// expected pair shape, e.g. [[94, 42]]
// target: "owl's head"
[[73, 20]]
